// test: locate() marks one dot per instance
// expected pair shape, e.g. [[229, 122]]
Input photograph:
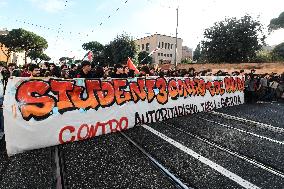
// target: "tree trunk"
[[7, 59]]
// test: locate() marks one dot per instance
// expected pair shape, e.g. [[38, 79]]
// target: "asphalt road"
[[234, 147]]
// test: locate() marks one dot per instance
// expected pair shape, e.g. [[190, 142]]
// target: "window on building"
[[162, 44], [142, 46], [139, 47], [165, 55], [171, 46], [171, 55], [147, 46], [166, 45], [161, 54], [168, 55], [159, 46]]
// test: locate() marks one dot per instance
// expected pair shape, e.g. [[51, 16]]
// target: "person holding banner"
[[34, 70], [126, 72], [73, 71], [118, 71], [85, 71]]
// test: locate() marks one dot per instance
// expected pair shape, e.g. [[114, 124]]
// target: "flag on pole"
[[131, 66], [90, 56], [153, 51]]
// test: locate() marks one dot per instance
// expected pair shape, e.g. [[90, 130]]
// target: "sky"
[[67, 24]]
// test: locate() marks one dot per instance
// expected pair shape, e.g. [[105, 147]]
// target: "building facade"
[[166, 45], [187, 53], [3, 57]]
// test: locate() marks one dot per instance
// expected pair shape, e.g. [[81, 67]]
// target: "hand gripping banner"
[[46, 112]]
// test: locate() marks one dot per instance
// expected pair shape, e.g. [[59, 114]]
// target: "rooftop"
[[155, 35], [4, 32]]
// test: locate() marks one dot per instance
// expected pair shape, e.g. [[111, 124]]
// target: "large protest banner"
[[46, 112]]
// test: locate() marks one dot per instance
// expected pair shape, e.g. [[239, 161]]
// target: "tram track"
[[63, 170], [243, 131], [251, 122], [176, 181], [250, 160]]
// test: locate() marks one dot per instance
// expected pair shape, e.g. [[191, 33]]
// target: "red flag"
[[90, 56], [131, 66]]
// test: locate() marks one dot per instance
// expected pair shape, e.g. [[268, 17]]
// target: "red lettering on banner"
[[219, 87], [71, 130], [137, 90], [80, 131], [232, 85], [86, 131], [172, 89], [150, 84], [37, 101], [162, 96], [106, 95], [181, 88], [201, 88], [121, 95], [189, 86], [60, 87], [34, 99]]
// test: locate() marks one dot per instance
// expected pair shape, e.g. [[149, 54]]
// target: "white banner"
[[46, 112]]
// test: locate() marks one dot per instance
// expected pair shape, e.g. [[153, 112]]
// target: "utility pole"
[[175, 61]]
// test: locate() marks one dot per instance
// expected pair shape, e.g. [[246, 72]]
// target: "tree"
[[21, 40], [143, 55], [63, 59], [186, 61], [233, 40], [77, 61], [97, 49], [278, 51], [93, 46], [277, 23], [197, 53], [108, 55], [121, 48], [38, 56]]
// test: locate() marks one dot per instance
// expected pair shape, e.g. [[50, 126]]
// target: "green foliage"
[[94, 46], [62, 59], [77, 61], [263, 56], [22, 40], [117, 51], [143, 55], [186, 61], [3, 63], [122, 47], [233, 40], [38, 56], [197, 53], [278, 51], [277, 23], [107, 56]]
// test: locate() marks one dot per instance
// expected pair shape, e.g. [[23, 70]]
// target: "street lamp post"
[[175, 61]]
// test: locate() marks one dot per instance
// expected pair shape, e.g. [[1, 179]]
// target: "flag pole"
[[143, 59]]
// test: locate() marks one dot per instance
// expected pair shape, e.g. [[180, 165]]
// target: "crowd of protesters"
[[258, 87], [264, 87]]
